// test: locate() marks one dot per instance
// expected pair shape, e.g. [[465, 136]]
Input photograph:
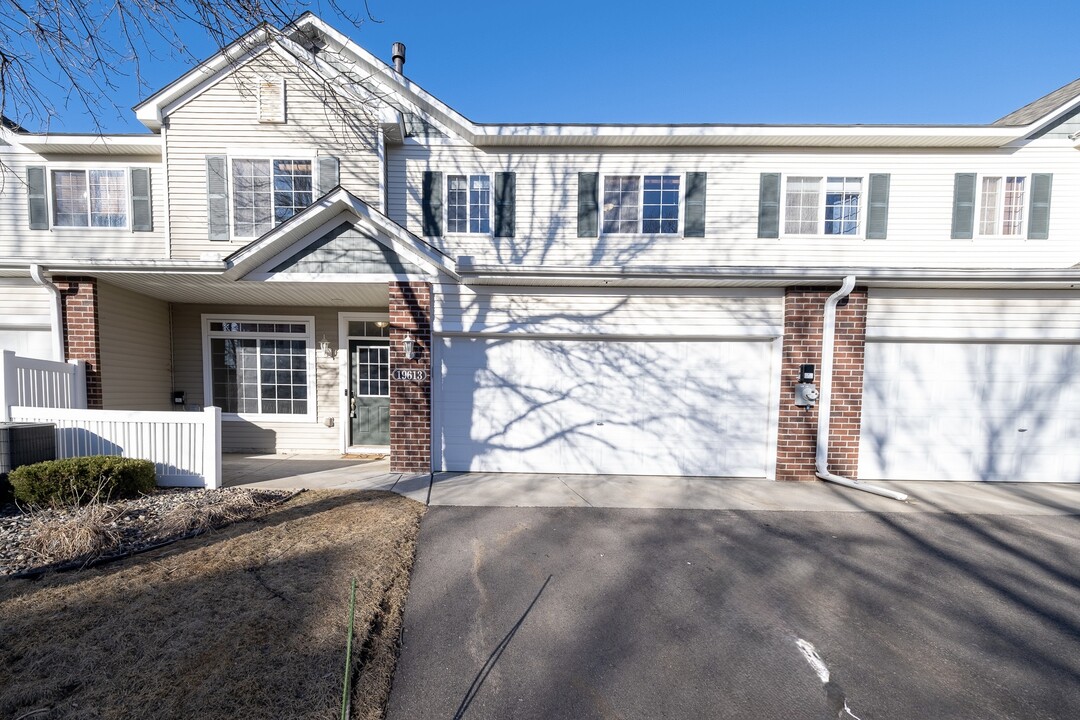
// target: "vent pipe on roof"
[[397, 53]]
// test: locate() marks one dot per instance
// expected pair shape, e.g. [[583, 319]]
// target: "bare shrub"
[[87, 533], [191, 517]]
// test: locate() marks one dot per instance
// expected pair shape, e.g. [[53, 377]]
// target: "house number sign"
[[409, 374]]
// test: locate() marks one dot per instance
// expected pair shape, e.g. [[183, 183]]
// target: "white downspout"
[[37, 273], [825, 401]]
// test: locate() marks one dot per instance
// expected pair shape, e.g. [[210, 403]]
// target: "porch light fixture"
[[381, 324], [408, 346], [324, 347]]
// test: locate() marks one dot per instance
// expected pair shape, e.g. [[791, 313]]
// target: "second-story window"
[[468, 203], [268, 192], [1001, 210], [639, 204], [90, 198], [823, 206]]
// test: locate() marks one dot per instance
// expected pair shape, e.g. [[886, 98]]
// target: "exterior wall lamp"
[[324, 347], [408, 346]]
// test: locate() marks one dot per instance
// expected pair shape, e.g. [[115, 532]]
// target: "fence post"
[[78, 385], [9, 384], [212, 447]]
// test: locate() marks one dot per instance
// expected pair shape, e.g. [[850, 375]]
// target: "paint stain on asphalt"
[[834, 694]]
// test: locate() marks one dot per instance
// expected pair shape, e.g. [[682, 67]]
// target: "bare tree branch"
[[79, 50]]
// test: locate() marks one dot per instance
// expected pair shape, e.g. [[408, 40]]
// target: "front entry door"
[[369, 392]]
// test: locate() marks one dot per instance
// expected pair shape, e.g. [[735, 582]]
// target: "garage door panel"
[[971, 411], [533, 405]]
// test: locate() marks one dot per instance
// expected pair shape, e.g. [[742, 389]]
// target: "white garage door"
[[602, 406], [971, 411]]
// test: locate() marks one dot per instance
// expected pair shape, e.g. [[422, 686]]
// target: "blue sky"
[[677, 61]]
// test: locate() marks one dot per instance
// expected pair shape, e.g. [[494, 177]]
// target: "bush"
[[80, 480]]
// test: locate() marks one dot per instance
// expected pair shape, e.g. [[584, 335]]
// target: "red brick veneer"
[[81, 330], [796, 444], [410, 401]]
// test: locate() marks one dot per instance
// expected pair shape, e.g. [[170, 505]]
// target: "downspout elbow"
[[37, 273]]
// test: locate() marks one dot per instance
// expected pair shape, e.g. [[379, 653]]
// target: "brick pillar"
[[797, 441], [410, 400], [81, 330]]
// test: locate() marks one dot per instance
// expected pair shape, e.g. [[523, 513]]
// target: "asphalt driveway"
[[620, 613]]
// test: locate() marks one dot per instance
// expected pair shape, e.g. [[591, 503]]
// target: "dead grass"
[[187, 518], [248, 622], [87, 533]]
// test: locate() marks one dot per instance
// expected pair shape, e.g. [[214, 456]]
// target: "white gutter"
[[825, 400], [36, 272]]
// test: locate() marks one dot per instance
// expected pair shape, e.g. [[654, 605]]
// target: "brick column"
[[410, 400], [81, 330], [803, 322]]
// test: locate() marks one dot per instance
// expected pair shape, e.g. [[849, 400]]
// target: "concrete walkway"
[[314, 471], [615, 491]]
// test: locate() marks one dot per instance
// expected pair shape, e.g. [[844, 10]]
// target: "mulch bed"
[[140, 523]]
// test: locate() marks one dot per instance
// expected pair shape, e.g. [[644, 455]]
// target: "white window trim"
[[446, 203], [86, 168], [641, 203], [999, 219], [208, 386], [232, 156], [864, 203]]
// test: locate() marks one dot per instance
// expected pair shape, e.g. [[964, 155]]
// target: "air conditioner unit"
[[25, 444]]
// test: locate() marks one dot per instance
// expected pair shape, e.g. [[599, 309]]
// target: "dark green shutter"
[[432, 201], [694, 224], [588, 207], [963, 208], [768, 218], [142, 215], [328, 174], [38, 202], [217, 197], [877, 215], [1039, 214], [505, 192]]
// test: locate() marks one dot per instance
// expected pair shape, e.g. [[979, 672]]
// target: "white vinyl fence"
[[28, 382], [185, 447]]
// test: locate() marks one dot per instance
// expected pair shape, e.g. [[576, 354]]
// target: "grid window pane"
[[258, 375], [480, 204], [660, 207], [457, 204], [468, 204], [70, 202], [801, 205], [991, 197], [108, 198], [252, 198], [372, 369], [1012, 216], [622, 204], [842, 196], [292, 188]]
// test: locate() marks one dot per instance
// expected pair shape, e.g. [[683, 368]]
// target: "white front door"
[[971, 411], [596, 406]]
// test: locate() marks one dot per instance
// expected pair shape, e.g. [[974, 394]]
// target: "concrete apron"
[[615, 491], [327, 471]]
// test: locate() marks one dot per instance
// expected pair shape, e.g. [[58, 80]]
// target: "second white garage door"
[[602, 406]]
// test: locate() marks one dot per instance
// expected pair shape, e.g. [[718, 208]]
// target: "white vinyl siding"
[[223, 120], [18, 241], [920, 207], [26, 318]]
